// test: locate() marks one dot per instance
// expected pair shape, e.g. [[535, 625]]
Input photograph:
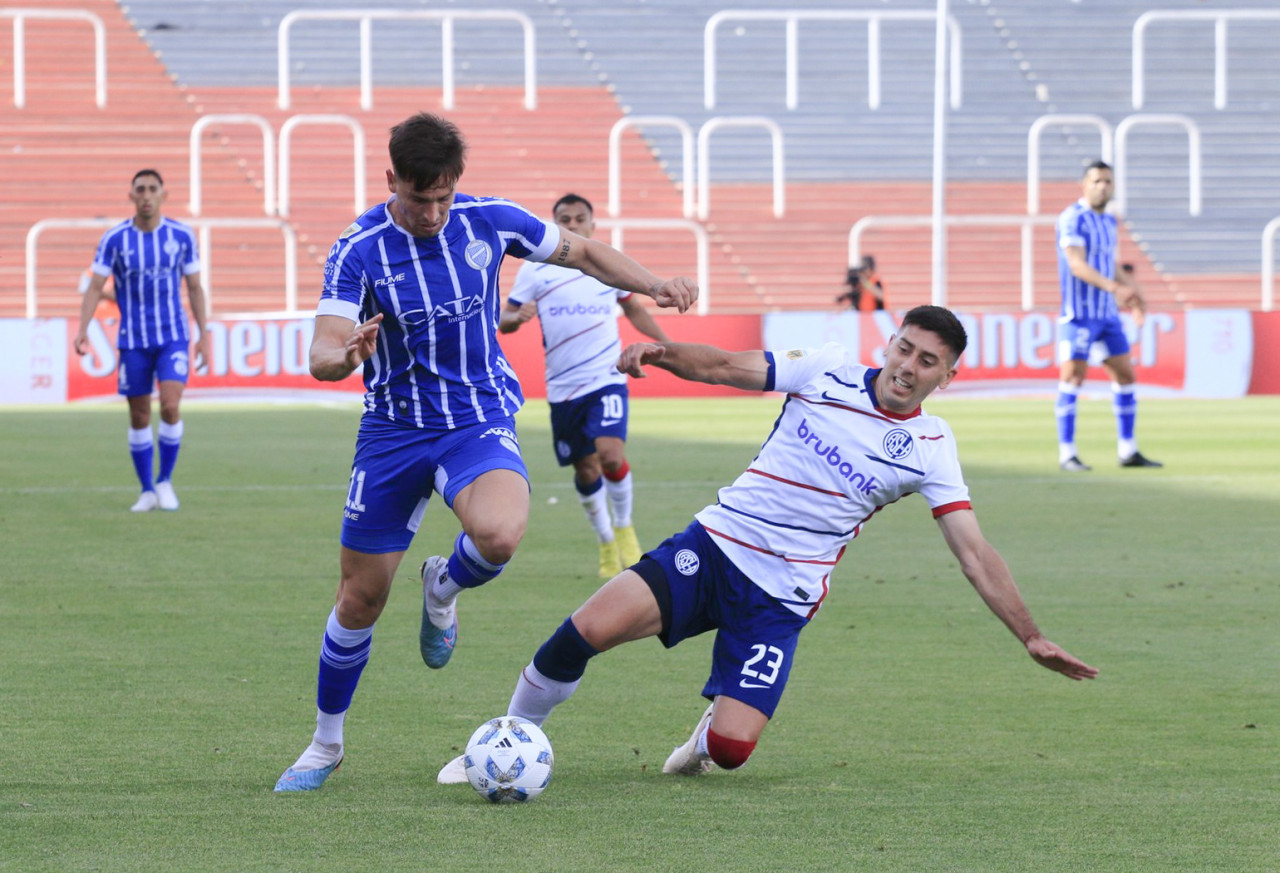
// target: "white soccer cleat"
[[685, 760], [453, 773], [164, 493], [146, 502]]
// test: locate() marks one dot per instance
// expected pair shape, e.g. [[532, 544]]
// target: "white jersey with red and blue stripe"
[[148, 267], [437, 363], [579, 319], [833, 460], [1097, 233]]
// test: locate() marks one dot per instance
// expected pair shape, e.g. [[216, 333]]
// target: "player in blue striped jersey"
[[1092, 291], [411, 295], [756, 565], [149, 257]]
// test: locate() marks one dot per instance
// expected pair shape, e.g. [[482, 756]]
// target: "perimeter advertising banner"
[[1201, 353]]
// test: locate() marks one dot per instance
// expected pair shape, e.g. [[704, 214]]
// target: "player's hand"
[[202, 353], [81, 344], [1047, 654], [680, 293], [526, 312], [361, 342], [636, 355]]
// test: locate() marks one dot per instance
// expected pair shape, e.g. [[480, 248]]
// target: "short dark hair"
[[869, 262], [1096, 165], [146, 172], [943, 322], [427, 150], [570, 199]]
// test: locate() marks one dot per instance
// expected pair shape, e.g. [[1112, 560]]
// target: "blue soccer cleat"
[[310, 779], [435, 643]]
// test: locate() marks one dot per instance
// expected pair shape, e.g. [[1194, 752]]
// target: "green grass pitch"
[[157, 671]]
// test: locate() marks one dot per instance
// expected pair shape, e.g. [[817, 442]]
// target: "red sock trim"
[[619, 474], [727, 753]]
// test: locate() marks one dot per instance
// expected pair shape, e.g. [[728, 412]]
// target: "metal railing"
[[268, 158], [20, 16], [704, 159], [794, 17], [204, 226], [366, 17], [357, 149], [617, 225], [1033, 149], [1219, 17], [615, 157], [1269, 264], [1122, 156], [1027, 223]]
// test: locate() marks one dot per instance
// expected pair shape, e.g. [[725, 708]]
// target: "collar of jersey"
[[870, 384]]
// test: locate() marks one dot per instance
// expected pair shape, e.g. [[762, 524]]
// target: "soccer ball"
[[509, 760]]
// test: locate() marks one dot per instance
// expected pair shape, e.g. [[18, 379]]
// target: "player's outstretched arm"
[[617, 270], [340, 345], [698, 363], [88, 305], [990, 577]]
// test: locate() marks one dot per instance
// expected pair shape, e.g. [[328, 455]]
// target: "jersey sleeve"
[[796, 370], [1069, 229], [526, 285], [944, 487], [528, 236], [344, 282], [105, 255], [191, 255]]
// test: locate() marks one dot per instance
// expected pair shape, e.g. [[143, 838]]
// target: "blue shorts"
[[575, 424], [698, 589], [1077, 338], [396, 468], [140, 369]]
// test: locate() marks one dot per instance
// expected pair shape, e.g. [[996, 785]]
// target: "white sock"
[[1065, 451], [701, 745], [597, 510], [620, 500], [1125, 448], [329, 727], [536, 695]]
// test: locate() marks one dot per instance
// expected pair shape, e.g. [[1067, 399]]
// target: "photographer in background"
[[866, 291]]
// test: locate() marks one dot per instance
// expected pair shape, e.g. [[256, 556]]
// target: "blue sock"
[[142, 452], [1065, 410], [564, 656], [343, 655], [1124, 403], [588, 490], [169, 436], [467, 568]]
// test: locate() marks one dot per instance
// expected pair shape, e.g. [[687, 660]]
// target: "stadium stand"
[[169, 64]]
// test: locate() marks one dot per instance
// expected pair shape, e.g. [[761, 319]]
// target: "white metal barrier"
[[1122, 155], [794, 17], [1033, 149], [357, 149], [615, 157], [704, 159], [617, 225], [1269, 264], [268, 158], [366, 17], [1219, 17], [19, 17], [202, 225], [1027, 223]]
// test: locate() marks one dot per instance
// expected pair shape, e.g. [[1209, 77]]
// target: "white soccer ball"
[[509, 760]]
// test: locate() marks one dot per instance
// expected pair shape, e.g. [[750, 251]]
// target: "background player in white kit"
[[756, 565], [586, 390], [411, 294], [149, 257]]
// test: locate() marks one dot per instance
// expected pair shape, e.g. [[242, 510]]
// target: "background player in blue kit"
[[411, 294], [149, 256], [1091, 290], [587, 392], [756, 565]]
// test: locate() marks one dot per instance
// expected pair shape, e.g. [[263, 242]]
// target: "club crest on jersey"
[[171, 247], [898, 444], [352, 228], [506, 436], [686, 562], [179, 363], [463, 307], [478, 255]]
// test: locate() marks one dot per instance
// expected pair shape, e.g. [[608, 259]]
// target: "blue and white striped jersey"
[[1096, 233], [833, 460], [148, 268], [437, 363], [579, 319]]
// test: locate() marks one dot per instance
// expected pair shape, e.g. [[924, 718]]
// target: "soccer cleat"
[[146, 502], [610, 563], [628, 546], [436, 643], [1137, 459], [685, 760], [164, 493], [1074, 465], [454, 773], [311, 778]]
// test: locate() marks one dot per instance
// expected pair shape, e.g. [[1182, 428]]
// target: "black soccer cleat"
[[1137, 459]]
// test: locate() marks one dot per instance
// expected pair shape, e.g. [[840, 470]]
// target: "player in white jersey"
[[756, 565], [411, 295], [149, 257], [1091, 290], [586, 390]]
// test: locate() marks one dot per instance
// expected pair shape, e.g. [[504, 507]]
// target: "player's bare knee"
[[499, 545]]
